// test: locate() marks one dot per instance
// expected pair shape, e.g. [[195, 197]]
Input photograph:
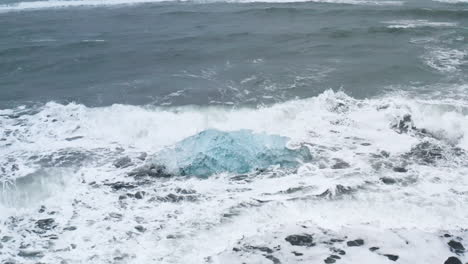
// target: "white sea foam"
[[445, 60], [50, 4], [193, 220], [418, 23]]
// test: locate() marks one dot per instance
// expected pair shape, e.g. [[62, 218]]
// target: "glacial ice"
[[213, 151]]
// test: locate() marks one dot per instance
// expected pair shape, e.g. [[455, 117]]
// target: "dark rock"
[[120, 185], [263, 249], [122, 197], [304, 240], [139, 195], [355, 243], [6, 239], [340, 190], [388, 180], [42, 209], [235, 249], [45, 224], [452, 260], [116, 215], [335, 257], [70, 228], [30, 254], [73, 138], [140, 228], [374, 249], [339, 251], [392, 257], [151, 170], [142, 156], [329, 260], [297, 254], [340, 164], [447, 235], [123, 162], [400, 169], [426, 153], [456, 247], [273, 259], [404, 125]]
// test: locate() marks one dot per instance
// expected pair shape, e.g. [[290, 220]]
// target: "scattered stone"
[[70, 228], [374, 249], [340, 164], [263, 249], [115, 215], [388, 180], [45, 224], [392, 257], [140, 228], [139, 195], [355, 243], [6, 239], [297, 254], [30, 254], [400, 169], [123, 162], [273, 259], [304, 240], [120, 185], [42, 209], [142, 156], [456, 247], [447, 235], [329, 260], [151, 170], [337, 250], [452, 260], [73, 138], [335, 257], [122, 197]]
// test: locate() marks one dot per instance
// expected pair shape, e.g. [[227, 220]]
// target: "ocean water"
[[239, 131]]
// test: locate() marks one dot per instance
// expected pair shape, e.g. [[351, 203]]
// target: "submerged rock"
[[123, 162], [213, 151], [45, 224], [425, 152], [340, 164]]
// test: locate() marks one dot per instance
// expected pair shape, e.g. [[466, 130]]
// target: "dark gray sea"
[[240, 131]]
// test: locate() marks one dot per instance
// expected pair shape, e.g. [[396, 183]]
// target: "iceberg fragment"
[[213, 151]]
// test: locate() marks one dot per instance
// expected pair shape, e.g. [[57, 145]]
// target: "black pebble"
[[329, 260], [305, 240], [452, 260], [456, 247], [140, 228], [297, 253], [45, 224], [139, 195], [355, 243], [374, 249], [392, 257], [388, 180], [399, 169]]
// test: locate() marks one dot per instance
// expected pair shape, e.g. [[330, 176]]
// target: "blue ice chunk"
[[213, 151]]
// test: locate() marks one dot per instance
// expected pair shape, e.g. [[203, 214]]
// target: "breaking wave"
[[122, 176]]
